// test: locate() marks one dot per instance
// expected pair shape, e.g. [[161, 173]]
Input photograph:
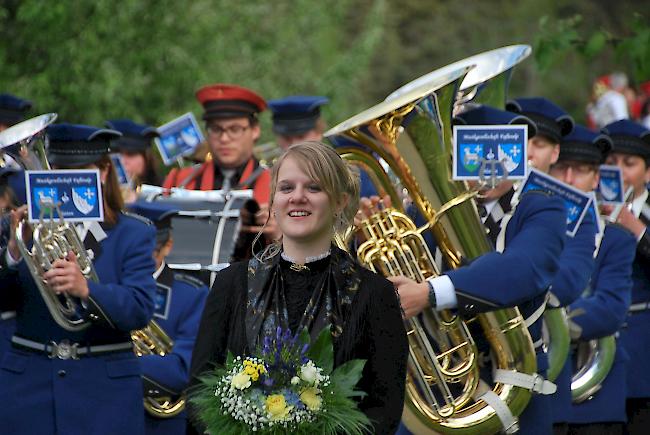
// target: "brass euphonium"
[[153, 340], [25, 143], [52, 238], [408, 139]]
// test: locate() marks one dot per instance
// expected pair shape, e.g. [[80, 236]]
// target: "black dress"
[[364, 313]]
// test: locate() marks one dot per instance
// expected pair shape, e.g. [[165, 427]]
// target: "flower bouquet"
[[287, 386]]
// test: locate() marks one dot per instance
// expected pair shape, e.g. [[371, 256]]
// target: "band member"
[[319, 285], [12, 196], [601, 310], [631, 152], [136, 151], [12, 110], [60, 381], [297, 118], [179, 303], [577, 260], [517, 276], [233, 128]]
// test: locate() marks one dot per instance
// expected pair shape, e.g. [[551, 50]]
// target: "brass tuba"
[[153, 340], [25, 144], [595, 359], [407, 140]]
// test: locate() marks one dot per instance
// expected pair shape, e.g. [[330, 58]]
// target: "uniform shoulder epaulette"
[[188, 279], [142, 219]]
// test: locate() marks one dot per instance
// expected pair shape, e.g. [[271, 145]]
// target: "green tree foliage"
[[144, 59], [91, 60], [558, 37]]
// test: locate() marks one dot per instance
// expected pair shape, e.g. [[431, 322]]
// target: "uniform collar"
[[637, 204]]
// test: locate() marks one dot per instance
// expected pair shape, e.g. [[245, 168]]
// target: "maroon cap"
[[229, 101]]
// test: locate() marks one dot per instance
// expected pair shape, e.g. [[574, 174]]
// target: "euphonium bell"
[[153, 340], [408, 139], [26, 142]]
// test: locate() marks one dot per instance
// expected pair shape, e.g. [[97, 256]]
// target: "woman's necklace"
[[300, 267]]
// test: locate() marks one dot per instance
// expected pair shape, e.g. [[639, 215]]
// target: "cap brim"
[[73, 160]]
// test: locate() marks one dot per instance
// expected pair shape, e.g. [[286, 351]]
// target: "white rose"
[[241, 381], [309, 373], [295, 380]]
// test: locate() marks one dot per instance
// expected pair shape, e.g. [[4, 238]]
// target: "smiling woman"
[[305, 282]]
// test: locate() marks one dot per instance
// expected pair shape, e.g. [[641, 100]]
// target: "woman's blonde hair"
[[322, 163]]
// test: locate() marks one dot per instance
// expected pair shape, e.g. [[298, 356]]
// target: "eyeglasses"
[[233, 131]]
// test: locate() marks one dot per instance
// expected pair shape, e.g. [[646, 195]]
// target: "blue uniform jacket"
[[576, 264], [576, 267], [604, 313], [520, 276], [64, 395], [635, 335], [179, 304], [525, 269]]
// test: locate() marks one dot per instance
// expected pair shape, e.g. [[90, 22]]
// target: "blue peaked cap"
[[135, 137], [487, 115], [552, 121], [585, 145], [629, 137], [78, 145], [296, 114], [154, 211], [12, 109], [160, 214]]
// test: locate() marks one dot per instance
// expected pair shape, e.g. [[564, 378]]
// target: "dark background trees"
[[143, 59]]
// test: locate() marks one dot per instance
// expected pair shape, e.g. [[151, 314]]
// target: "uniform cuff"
[[10, 260], [445, 292]]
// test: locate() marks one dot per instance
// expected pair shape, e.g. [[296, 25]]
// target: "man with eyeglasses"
[[230, 114]]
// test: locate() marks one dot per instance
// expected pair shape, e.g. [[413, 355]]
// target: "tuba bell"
[[24, 145], [153, 340], [406, 141]]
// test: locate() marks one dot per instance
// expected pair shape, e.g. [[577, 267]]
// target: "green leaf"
[[304, 336], [229, 359], [347, 375], [595, 44], [322, 351]]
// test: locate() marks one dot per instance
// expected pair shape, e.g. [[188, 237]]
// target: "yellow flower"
[[249, 370], [311, 398], [277, 407], [241, 381]]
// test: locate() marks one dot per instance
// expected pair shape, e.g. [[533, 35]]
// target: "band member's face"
[[286, 141], [134, 164], [302, 209], [580, 175], [231, 141], [635, 171], [542, 153]]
